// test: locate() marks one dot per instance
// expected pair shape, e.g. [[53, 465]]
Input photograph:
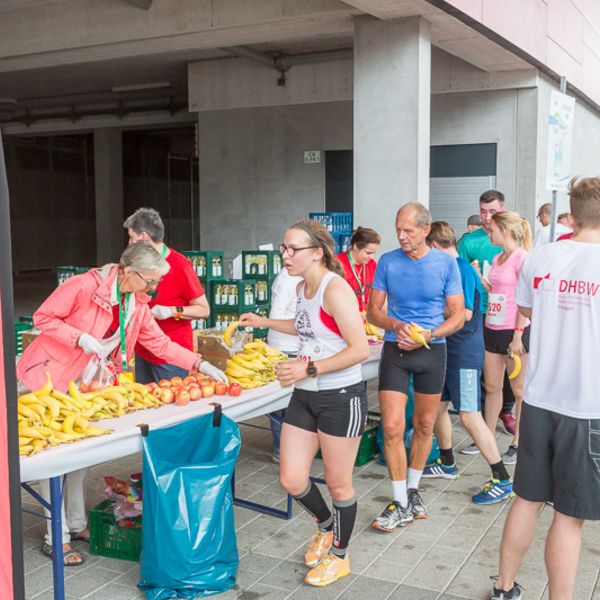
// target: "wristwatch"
[[178, 312], [311, 369], [433, 337]]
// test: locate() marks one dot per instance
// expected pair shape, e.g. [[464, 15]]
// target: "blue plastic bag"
[[189, 547], [408, 430]]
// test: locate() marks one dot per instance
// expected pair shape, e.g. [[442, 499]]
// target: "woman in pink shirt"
[[82, 319], [506, 331]]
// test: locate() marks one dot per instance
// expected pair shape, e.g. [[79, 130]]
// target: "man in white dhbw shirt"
[[559, 451]]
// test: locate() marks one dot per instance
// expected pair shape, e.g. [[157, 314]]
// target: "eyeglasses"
[[291, 251], [149, 282]]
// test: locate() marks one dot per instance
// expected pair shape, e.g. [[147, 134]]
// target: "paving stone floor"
[[449, 556]]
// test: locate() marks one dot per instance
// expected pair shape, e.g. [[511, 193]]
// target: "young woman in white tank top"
[[328, 407]]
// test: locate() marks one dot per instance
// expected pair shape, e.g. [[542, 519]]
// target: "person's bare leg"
[[443, 427], [563, 546], [493, 369], [424, 418], [393, 405], [482, 436], [517, 536], [517, 385]]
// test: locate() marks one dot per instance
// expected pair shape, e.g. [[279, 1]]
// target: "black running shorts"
[[559, 462], [428, 368], [341, 412], [497, 340]]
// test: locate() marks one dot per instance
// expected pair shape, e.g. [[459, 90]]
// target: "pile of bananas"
[[48, 417], [255, 366], [373, 332]]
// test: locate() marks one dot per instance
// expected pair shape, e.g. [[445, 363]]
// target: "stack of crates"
[[262, 266], [21, 326], [209, 266], [339, 226], [64, 273]]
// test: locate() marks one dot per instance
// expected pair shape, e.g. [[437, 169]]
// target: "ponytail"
[[516, 225], [322, 239]]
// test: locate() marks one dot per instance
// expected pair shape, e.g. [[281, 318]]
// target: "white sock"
[[414, 478], [399, 489]]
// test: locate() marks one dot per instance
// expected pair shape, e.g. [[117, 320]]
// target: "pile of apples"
[[190, 388]]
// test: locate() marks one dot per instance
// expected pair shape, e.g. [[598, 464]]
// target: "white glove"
[[90, 345], [208, 369], [161, 312]]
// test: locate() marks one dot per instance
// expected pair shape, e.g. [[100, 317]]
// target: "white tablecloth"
[[125, 438]]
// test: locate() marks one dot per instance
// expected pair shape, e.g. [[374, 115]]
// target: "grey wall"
[[504, 117], [253, 180]]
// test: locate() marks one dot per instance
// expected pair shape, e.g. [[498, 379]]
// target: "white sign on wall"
[[312, 157], [560, 136]]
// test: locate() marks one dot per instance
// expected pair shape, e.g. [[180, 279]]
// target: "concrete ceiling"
[[82, 79]]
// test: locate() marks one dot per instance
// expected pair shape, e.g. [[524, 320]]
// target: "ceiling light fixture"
[[142, 86]]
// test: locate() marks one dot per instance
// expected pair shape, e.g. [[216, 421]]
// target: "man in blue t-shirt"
[[462, 387], [418, 283]]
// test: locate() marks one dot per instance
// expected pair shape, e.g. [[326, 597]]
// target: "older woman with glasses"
[[103, 312]]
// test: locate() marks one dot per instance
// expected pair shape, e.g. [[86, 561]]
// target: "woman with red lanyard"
[[506, 331], [328, 408], [359, 265]]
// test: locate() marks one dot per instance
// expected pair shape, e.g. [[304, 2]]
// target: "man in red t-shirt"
[[177, 300]]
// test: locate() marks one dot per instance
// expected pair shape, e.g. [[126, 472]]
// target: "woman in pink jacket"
[[81, 319]]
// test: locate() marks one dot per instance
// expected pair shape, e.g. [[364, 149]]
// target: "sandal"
[[76, 535], [47, 550]]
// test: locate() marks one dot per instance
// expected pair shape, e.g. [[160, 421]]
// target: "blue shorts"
[[463, 388]]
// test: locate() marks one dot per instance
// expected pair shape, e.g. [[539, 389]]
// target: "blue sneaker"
[[439, 469], [494, 491]]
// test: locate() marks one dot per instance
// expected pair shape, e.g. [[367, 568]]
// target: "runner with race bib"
[[328, 408], [506, 332]]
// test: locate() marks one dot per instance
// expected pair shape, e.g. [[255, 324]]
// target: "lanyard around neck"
[[361, 284], [122, 316], [163, 252]]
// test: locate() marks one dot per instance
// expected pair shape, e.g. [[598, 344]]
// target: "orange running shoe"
[[328, 571], [318, 548]]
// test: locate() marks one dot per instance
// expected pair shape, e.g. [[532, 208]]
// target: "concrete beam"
[[238, 83]]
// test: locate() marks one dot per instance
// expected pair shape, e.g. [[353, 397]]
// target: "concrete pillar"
[[108, 170], [392, 88]]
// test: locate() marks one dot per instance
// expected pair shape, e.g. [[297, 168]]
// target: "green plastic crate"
[[264, 285], [107, 538], [235, 294], [367, 450], [20, 329], [208, 264], [64, 273], [258, 264]]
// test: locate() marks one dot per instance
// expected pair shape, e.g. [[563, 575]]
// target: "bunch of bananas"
[[373, 331], [48, 417], [255, 366]]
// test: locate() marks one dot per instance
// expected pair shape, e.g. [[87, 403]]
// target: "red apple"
[[157, 392], [167, 396], [235, 389], [208, 391], [176, 380], [220, 388], [152, 385], [200, 377], [164, 383], [182, 398], [189, 379], [195, 393]]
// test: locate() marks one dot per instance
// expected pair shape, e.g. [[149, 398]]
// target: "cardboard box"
[[213, 349]]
